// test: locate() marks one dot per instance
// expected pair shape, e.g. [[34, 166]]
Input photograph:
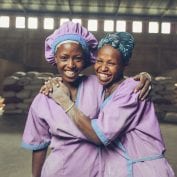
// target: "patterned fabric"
[[123, 41], [74, 32]]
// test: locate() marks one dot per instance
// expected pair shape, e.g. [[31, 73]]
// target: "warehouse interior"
[[24, 26]]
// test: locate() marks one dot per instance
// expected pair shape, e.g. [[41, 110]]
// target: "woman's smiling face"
[[70, 61], [108, 66]]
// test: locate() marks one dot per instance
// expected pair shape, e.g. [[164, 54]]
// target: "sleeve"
[[118, 116], [36, 134]]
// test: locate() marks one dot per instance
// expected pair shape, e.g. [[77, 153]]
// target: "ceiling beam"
[[42, 2], [117, 6], [168, 6], [89, 15], [70, 7], [20, 5]]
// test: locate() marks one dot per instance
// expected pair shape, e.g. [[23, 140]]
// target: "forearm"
[[38, 158], [84, 124], [80, 120]]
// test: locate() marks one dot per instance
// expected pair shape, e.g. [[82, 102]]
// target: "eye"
[[110, 63], [98, 61], [63, 58], [78, 58]]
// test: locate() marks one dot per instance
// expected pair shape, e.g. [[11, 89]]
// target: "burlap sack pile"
[[20, 89], [164, 95]]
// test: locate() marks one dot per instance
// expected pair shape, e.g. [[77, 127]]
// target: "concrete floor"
[[16, 162]]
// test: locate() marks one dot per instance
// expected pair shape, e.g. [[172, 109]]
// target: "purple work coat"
[[130, 131], [47, 124]]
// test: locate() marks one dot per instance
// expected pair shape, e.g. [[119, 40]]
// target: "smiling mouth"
[[70, 73], [103, 77]]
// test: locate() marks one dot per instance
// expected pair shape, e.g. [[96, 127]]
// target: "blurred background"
[[24, 25]]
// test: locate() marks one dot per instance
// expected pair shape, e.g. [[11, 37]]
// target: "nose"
[[71, 63], [104, 67]]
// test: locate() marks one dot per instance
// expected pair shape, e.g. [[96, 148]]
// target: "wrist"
[[62, 99], [65, 102], [69, 107]]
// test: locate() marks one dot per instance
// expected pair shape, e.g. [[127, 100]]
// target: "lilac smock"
[[47, 124], [130, 131]]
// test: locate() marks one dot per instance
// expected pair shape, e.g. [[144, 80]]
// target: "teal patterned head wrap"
[[122, 41]]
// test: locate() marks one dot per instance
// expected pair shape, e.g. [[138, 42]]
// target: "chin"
[[104, 83], [69, 80]]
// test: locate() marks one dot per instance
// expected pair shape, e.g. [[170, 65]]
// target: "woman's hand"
[[48, 85], [47, 88], [59, 92], [55, 89], [2, 105], [144, 85], [59, 95]]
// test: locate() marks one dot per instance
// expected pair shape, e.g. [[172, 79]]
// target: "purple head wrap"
[[74, 32]]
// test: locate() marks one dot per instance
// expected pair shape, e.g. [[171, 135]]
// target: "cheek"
[[95, 66], [59, 66], [117, 73], [114, 71]]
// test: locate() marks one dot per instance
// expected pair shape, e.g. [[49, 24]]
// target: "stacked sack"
[[164, 95], [20, 89]]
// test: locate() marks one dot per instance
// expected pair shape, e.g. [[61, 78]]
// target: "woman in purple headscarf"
[[71, 48], [125, 129]]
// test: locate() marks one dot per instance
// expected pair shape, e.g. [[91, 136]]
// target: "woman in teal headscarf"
[[126, 129]]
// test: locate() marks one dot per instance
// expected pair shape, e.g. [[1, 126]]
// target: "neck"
[[110, 88], [73, 85], [73, 88]]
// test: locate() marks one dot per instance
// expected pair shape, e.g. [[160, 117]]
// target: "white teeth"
[[103, 76], [69, 73]]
